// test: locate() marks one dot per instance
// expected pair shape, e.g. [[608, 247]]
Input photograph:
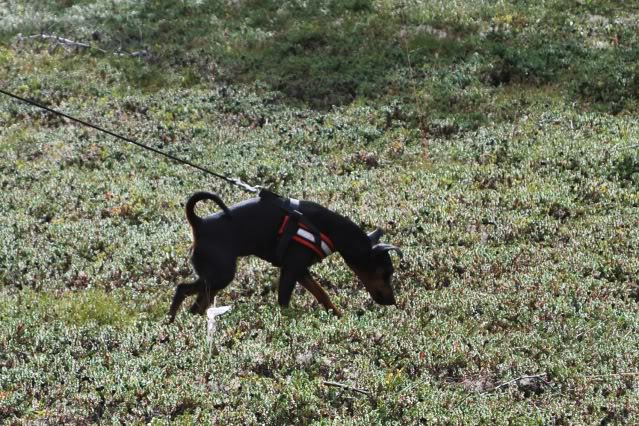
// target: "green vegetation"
[[503, 161]]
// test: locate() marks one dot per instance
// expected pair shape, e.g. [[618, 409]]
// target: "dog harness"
[[296, 227], [293, 229]]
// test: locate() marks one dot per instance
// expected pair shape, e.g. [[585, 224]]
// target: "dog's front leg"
[[310, 284], [295, 265], [288, 278], [182, 291]]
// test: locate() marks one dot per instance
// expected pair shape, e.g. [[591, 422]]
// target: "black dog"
[[290, 234]]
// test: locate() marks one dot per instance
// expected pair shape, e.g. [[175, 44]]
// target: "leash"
[[233, 181], [296, 227]]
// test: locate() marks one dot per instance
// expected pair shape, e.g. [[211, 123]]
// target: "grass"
[[506, 169]]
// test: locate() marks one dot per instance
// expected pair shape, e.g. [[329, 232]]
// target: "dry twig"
[[504, 384], [536, 376], [343, 386]]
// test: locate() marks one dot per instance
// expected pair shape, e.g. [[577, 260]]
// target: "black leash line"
[[233, 181]]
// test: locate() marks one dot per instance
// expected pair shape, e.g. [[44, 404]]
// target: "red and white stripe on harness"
[[307, 239]]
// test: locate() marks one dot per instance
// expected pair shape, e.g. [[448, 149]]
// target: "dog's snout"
[[384, 298], [388, 300]]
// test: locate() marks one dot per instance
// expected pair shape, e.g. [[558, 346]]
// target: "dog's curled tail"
[[199, 196]]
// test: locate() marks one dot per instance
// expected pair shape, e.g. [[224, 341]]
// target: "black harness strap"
[[290, 230], [295, 218]]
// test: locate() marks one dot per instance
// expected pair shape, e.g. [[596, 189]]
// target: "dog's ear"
[[375, 236], [380, 248]]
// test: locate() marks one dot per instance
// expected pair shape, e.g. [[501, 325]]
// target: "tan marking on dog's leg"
[[319, 293]]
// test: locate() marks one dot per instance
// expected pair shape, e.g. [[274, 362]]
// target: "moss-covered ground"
[[496, 143]]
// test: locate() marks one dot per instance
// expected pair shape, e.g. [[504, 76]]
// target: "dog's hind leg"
[[217, 273], [310, 284], [204, 299], [182, 291]]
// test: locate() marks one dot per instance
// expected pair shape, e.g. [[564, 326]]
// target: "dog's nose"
[[390, 300], [385, 299]]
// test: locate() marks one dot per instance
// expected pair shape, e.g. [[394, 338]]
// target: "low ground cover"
[[503, 161]]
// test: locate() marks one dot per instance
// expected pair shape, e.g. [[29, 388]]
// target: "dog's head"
[[376, 274]]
